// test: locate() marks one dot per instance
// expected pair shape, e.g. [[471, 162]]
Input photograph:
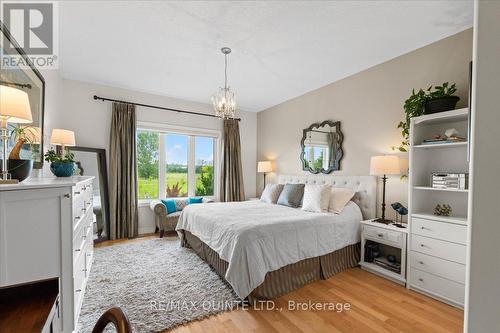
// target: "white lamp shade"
[[264, 166], [62, 137], [385, 165], [15, 105]]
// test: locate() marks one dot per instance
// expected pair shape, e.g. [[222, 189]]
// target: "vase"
[[441, 104], [62, 169], [19, 169]]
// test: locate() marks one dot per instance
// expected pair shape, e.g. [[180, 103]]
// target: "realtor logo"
[[34, 27]]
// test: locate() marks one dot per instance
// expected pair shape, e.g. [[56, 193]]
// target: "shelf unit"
[[441, 145], [437, 244], [428, 188]]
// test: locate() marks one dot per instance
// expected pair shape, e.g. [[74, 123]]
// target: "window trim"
[[191, 132]]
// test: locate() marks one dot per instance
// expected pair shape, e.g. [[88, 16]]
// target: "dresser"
[[438, 244], [46, 232]]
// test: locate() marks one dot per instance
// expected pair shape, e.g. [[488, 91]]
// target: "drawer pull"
[[78, 250], [77, 218], [77, 192], [422, 245], [84, 209], [84, 237], [89, 254], [84, 270], [420, 279], [423, 228], [421, 262], [67, 195], [380, 235], [78, 291]]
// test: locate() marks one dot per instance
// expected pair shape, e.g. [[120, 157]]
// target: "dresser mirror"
[[322, 147], [17, 71]]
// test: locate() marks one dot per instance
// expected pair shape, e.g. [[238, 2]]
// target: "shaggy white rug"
[[157, 283]]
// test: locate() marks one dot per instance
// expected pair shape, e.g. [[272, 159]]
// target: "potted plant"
[[61, 165], [19, 168], [425, 102], [441, 99]]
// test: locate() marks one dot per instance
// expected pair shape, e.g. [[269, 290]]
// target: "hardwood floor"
[[376, 305]]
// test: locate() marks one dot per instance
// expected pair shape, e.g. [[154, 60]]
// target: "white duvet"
[[256, 237]]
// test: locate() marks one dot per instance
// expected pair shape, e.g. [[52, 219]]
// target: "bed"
[[264, 251]]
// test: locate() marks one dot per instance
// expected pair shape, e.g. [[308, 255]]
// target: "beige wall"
[[368, 104]]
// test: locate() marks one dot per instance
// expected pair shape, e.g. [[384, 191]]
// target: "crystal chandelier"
[[223, 101]]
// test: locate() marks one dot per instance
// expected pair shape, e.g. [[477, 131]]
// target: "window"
[[147, 164], [204, 155], [176, 169], [176, 163]]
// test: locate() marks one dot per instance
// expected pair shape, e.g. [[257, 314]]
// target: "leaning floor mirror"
[[92, 162]]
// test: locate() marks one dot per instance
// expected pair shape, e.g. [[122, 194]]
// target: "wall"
[[482, 300], [368, 104], [91, 119]]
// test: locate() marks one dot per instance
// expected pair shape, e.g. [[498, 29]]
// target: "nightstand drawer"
[[440, 230], [438, 286], [438, 248], [388, 236], [440, 267]]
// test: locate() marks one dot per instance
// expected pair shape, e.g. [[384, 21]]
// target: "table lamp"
[[14, 108], [63, 138], [383, 166], [264, 167]]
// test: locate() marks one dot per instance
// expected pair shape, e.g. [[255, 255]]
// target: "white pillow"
[[316, 198], [271, 193], [339, 198]]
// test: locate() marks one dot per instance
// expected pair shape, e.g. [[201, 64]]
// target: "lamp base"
[[384, 221], [399, 225]]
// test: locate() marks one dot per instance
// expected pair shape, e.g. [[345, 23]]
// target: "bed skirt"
[[287, 278]]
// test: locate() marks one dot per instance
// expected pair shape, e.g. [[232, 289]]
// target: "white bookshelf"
[[437, 244]]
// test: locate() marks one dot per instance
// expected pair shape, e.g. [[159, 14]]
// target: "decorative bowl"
[[19, 169]]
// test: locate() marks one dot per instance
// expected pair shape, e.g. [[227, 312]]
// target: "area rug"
[[157, 283]]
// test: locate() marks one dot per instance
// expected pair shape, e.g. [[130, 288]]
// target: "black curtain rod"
[[158, 107]]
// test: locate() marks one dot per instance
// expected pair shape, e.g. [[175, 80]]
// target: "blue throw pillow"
[[170, 204], [195, 200]]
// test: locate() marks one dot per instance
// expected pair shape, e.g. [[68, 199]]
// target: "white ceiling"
[[281, 49]]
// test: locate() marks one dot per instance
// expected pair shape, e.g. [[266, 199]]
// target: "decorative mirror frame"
[[338, 154], [5, 33]]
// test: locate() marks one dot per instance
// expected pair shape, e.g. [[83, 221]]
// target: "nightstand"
[[378, 241]]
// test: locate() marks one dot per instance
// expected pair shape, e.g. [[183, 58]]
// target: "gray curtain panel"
[[231, 186], [123, 173]]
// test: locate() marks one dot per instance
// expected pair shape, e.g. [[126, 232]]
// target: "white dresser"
[[437, 244], [46, 232]]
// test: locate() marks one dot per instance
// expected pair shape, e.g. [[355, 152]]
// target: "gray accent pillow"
[[291, 195], [271, 193]]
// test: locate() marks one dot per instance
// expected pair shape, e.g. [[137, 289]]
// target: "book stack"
[[384, 263], [453, 139], [450, 180]]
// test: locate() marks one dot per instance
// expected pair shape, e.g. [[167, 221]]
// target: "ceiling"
[[281, 49]]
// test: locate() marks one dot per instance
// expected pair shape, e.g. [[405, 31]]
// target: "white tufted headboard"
[[365, 187]]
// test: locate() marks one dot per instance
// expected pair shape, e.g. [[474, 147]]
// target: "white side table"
[[391, 240]]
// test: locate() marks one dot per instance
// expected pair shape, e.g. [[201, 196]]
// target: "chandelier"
[[223, 101]]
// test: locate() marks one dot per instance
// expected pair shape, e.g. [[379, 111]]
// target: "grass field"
[[148, 188]]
